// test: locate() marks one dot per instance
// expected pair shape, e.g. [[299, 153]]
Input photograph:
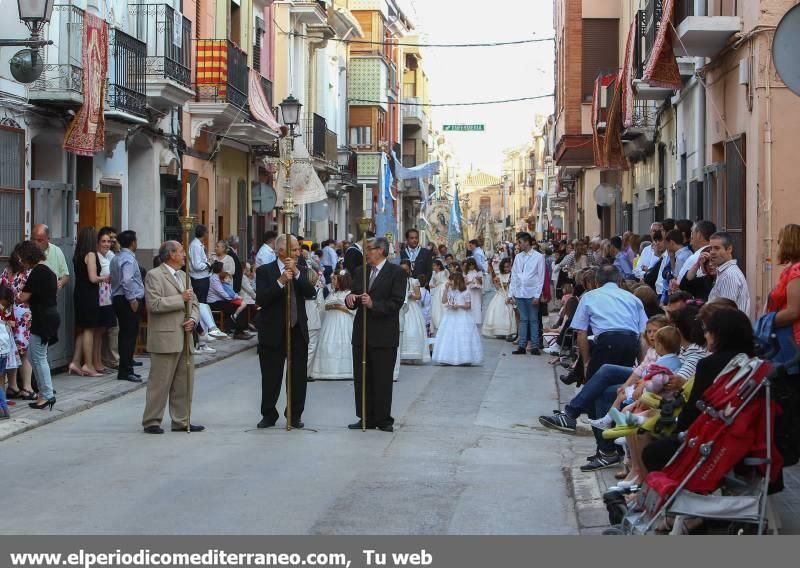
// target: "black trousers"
[[380, 371], [200, 287], [128, 322], [239, 324], [273, 359]]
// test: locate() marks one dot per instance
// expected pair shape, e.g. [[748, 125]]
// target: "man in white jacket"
[[525, 291]]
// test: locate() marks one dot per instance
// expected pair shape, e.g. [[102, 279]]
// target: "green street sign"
[[464, 128]]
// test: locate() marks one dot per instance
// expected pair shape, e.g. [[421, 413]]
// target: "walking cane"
[[364, 225], [187, 223]]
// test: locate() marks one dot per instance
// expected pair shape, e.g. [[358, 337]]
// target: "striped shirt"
[[689, 357], [731, 284]]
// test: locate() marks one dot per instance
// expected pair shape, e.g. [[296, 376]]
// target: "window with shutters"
[[735, 196], [600, 52], [259, 35], [12, 187]]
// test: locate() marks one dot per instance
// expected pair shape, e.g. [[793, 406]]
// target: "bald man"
[[54, 257]]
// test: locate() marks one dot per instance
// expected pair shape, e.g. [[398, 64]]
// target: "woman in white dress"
[[500, 320], [314, 314], [438, 282], [474, 280], [334, 356], [458, 341], [414, 346]]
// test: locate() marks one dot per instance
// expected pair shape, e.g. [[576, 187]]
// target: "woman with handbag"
[[87, 302]]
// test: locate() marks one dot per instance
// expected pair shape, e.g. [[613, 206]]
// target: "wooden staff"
[[187, 223], [289, 329], [364, 225]]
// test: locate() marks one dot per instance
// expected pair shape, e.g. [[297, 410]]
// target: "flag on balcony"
[[212, 67], [86, 133], [662, 67], [259, 106]]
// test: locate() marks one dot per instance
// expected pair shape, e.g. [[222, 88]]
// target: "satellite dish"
[[605, 195], [26, 66], [785, 47]]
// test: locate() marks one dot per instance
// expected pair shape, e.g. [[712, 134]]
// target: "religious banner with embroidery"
[[662, 67], [86, 133]]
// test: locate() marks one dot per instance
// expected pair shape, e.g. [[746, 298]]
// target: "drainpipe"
[[699, 113], [767, 272]]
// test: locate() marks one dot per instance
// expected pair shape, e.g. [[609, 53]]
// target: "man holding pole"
[[379, 309], [171, 365], [272, 281]]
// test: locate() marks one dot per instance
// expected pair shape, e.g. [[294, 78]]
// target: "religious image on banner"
[[86, 133]]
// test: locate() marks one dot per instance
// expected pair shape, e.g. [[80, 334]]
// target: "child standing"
[[7, 345], [500, 320], [314, 314], [334, 356], [414, 345], [457, 341]]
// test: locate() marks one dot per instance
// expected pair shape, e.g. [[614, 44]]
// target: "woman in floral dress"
[[19, 378]]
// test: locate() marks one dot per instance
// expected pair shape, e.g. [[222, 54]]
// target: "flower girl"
[[499, 320], [438, 282], [458, 341], [474, 281], [414, 346], [334, 356]]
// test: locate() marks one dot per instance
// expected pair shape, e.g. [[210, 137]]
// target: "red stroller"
[[727, 460]]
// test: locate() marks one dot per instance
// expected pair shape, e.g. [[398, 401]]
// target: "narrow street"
[[467, 457]]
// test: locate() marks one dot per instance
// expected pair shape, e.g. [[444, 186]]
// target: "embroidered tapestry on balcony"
[[627, 79], [613, 154], [212, 68], [662, 67], [259, 106], [86, 133]]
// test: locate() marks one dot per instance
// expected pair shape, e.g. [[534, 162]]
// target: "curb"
[[25, 425]]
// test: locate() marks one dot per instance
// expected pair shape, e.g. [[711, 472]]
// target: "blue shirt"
[[609, 308], [480, 259], [329, 257], [126, 279], [671, 361], [623, 264]]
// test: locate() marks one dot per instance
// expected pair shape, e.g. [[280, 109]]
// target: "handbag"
[[105, 294], [764, 330]]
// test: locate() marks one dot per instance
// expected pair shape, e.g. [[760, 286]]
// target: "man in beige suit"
[[170, 377]]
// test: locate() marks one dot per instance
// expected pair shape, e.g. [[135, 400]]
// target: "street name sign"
[[464, 128]]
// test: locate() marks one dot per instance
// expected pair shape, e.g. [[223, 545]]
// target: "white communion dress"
[[499, 320], [334, 356], [458, 341], [437, 305], [475, 289], [414, 346]]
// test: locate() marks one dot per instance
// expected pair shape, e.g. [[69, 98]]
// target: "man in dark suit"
[[420, 257], [271, 281], [353, 256], [385, 295]]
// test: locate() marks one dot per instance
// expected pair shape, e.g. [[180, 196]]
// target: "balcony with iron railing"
[[319, 139], [413, 113], [221, 72], [310, 12], [266, 84], [127, 57], [61, 82], [648, 22], [168, 37], [705, 32]]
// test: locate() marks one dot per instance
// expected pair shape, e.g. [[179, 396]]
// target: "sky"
[[486, 73]]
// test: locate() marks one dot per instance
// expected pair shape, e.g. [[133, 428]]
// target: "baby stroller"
[[723, 468]]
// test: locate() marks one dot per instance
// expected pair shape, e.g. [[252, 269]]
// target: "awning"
[[306, 185], [259, 107]]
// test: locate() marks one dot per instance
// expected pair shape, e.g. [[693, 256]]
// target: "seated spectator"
[[728, 333], [649, 298], [222, 300]]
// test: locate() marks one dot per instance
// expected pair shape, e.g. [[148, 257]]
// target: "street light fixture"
[[290, 111], [26, 65], [35, 14]]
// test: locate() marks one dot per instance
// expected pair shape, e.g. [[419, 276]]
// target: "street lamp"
[[35, 14], [26, 65], [290, 110]]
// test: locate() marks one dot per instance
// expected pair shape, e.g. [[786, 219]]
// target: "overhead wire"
[[435, 45]]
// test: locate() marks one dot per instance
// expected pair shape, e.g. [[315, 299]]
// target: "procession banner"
[[86, 133]]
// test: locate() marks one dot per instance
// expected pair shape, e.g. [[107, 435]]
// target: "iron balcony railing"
[[63, 64], [315, 129], [683, 9], [644, 115], [168, 36], [413, 109], [648, 22], [126, 73], [221, 73], [266, 84]]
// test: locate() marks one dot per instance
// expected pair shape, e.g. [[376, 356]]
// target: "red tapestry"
[[597, 138], [662, 67], [86, 133], [614, 156], [627, 79]]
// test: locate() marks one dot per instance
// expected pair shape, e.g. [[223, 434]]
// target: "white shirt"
[[376, 269], [690, 262], [527, 275], [198, 261], [265, 255], [282, 267], [731, 284], [647, 259], [174, 275]]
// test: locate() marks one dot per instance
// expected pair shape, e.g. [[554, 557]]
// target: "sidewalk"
[[76, 394], [587, 489]]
